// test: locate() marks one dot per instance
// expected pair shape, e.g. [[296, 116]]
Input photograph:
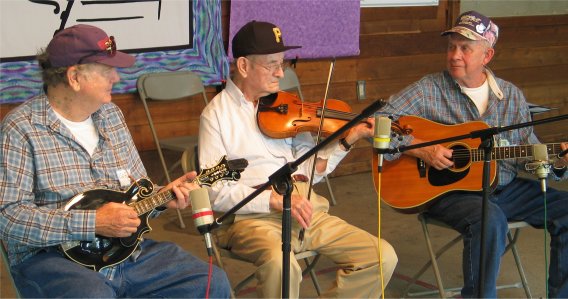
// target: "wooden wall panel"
[[398, 46]]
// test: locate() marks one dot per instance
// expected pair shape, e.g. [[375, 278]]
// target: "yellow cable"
[[379, 236]]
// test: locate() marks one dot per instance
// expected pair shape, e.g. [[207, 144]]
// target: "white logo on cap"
[[480, 28]]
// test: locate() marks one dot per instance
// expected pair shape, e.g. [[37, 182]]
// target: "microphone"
[[382, 135], [541, 167], [202, 215]]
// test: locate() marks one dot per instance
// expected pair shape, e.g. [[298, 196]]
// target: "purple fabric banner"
[[324, 28]]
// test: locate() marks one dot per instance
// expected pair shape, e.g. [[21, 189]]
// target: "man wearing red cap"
[[468, 91], [228, 127], [70, 140]]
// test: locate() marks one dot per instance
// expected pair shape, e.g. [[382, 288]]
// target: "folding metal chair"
[[170, 86], [434, 256], [189, 162], [310, 259]]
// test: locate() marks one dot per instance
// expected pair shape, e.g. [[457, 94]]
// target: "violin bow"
[[318, 139]]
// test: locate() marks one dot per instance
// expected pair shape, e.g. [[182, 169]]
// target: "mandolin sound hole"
[[97, 246]]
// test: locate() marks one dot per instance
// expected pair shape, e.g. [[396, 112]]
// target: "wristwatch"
[[345, 144]]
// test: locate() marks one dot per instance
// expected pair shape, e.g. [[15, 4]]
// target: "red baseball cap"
[[81, 44]]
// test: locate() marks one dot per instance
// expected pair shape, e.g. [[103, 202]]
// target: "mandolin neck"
[[225, 170], [147, 204]]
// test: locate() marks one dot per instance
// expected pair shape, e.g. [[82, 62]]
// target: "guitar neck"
[[512, 152]]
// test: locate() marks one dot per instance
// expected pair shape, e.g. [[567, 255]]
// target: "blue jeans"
[[162, 270], [522, 200]]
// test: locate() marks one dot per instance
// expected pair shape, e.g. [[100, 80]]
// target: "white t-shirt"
[[479, 95], [84, 131]]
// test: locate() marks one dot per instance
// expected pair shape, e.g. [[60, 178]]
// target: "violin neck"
[[336, 114]]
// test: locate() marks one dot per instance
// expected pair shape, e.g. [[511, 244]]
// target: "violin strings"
[[336, 113], [316, 106]]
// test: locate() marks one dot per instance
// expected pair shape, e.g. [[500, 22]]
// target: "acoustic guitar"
[[103, 251], [409, 185]]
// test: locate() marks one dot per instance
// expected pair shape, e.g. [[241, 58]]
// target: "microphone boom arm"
[[483, 134]]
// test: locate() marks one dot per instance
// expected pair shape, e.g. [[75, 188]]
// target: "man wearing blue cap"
[[63, 144], [468, 91], [228, 127]]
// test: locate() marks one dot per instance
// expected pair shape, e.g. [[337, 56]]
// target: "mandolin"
[[103, 251]]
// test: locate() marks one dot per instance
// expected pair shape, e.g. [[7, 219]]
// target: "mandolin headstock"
[[224, 170]]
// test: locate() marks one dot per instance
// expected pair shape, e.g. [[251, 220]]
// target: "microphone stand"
[[486, 137], [281, 182]]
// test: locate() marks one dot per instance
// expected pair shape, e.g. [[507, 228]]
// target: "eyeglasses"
[[109, 47], [273, 68]]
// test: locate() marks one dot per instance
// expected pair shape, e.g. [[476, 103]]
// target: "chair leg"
[[180, 218], [433, 259], [513, 244], [333, 202], [512, 238], [310, 269], [243, 283], [168, 179], [426, 266]]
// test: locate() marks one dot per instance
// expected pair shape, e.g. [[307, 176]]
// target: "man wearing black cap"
[[68, 141], [468, 91], [228, 127]]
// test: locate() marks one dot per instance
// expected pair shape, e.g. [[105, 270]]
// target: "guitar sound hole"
[[461, 156]]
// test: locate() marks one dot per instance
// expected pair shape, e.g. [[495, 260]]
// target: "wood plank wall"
[[398, 46]]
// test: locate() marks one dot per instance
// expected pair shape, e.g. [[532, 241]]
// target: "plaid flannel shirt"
[[438, 97], [42, 166]]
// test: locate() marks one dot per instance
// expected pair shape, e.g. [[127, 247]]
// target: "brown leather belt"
[[295, 177], [300, 178]]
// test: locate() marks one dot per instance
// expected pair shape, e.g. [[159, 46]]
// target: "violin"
[[284, 114]]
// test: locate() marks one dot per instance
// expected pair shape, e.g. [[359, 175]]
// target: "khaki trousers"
[[355, 252]]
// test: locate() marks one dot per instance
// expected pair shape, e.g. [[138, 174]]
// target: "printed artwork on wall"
[[163, 35]]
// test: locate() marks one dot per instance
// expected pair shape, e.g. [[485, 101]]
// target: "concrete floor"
[[357, 203]]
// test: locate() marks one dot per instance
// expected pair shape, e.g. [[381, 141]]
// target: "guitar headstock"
[[224, 170]]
